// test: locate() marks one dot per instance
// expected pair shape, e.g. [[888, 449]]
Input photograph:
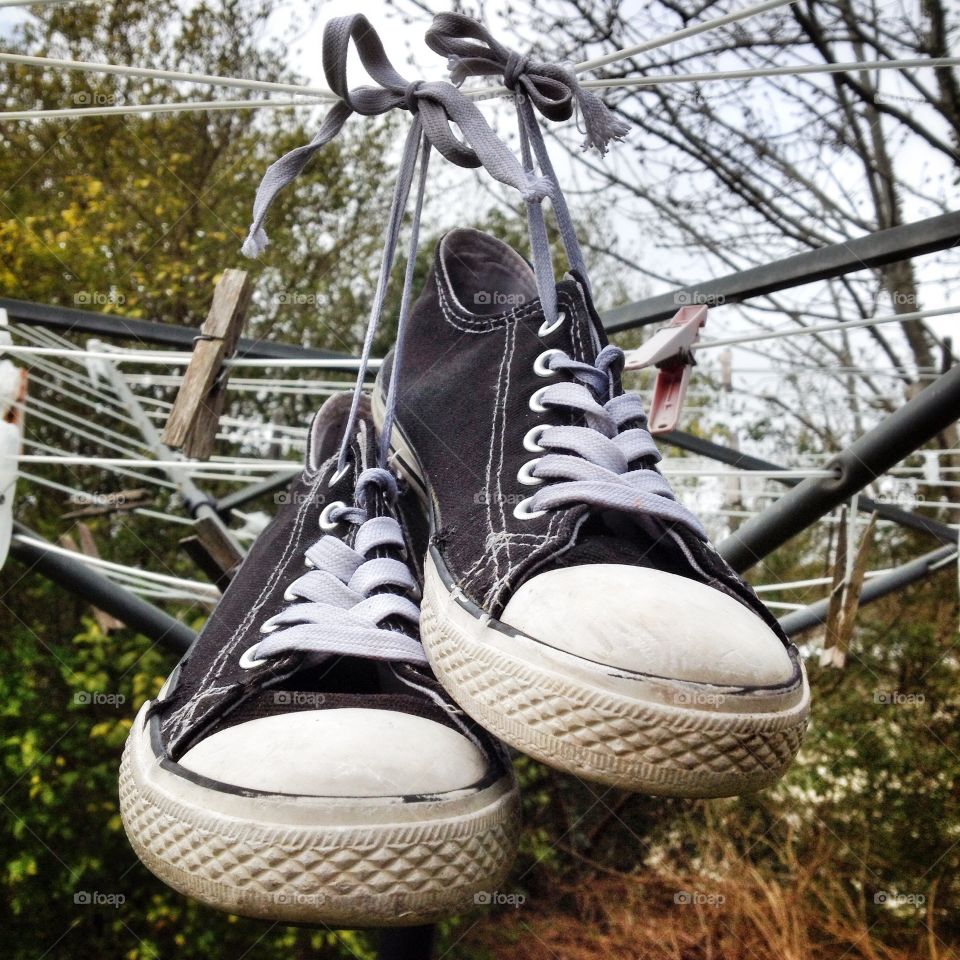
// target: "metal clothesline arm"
[[895, 437], [78, 578], [873, 250], [71, 320], [744, 461]]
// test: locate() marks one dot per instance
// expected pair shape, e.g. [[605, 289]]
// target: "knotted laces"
[[340, 604]]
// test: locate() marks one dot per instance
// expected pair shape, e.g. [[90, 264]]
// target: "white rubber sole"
[[647, 734], [350, 862], [640, 733]]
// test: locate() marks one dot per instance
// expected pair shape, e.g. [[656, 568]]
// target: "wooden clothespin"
[[192, 424], [849, 572]]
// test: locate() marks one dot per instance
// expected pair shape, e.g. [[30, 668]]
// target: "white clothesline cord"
[[246, 385], [61, 418], [168, 358], [56, 455], [148, 73], [759, 474], [279, 103], [321, 92], [39, 3], [159, 515], [823, 328], [187, 106], [803, 584], [795, 69], [195, 467]]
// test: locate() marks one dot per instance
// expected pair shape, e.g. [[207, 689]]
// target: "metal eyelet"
[[522, 510], [524, 475], [532, 436], [546, 327], [248, 661], [540, 367], [326, 521], [535, 405]]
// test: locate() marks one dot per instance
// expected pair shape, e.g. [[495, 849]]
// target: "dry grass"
[[717, 914]]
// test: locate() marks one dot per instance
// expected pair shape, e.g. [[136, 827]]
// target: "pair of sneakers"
[[330, 749]]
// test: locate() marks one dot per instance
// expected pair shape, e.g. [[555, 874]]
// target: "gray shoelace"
[[340, 604], [594, 468], [434, 103]]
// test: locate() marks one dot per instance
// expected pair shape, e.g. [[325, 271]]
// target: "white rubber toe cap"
[[349, 752], [651, 622]]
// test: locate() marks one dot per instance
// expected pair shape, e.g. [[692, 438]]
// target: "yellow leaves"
[[94, 188], [72, 216], [103, 729]]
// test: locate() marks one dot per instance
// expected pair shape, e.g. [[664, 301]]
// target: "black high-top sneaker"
[[301, 763], [571, 605]]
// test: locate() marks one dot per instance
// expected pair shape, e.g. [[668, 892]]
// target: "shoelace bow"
[[340, 604], [434, 104], [552, 89], [595, 466]]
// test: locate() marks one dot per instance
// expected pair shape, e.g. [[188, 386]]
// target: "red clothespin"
[[669, 349]]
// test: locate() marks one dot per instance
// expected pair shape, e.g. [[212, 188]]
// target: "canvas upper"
[[211, 692]]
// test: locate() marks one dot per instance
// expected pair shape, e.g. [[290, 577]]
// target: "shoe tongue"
[[478, 276], [482, 275], [329, 422]]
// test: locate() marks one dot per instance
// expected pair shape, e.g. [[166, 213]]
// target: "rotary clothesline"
[[319, 95], [161, 358], [238, 466], [276, 103]]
